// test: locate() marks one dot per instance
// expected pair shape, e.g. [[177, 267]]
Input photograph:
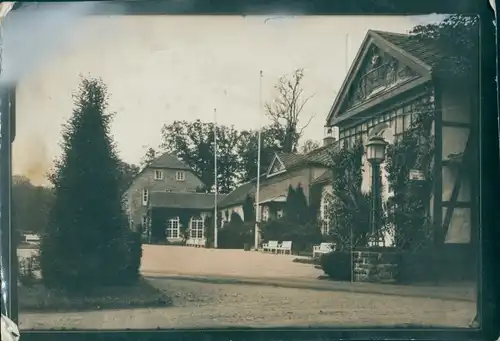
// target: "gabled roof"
[[424, 51], [199, 201], [418, 56], [167, 160], [276, 162], [319, 156], [322, 155], [291, 159], [238, 195]]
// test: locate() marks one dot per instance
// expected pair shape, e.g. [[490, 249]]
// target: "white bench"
[[285, 247], [271, 245], [196, 242], [322, 248], [32, 238]]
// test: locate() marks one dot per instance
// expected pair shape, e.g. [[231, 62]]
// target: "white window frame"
[[265, 213], [173, 225], [196, 228], [280, 213], [158, 174], [325, 218], [180, 176], [145, 197]]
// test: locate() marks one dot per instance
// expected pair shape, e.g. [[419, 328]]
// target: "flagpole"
[[351, 232], [257, 202], [215, 178]]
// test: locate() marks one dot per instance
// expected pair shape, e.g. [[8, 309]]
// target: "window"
[[180, 176], [279, 213], [173, 228], [145, 197], [325, 214], [144, 223], [265, 213], [197, 228], [158, 175]]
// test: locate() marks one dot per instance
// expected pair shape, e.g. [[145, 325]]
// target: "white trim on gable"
[[372, 38], [273, 164]]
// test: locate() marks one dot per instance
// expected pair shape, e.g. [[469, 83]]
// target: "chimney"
[[331, 135]]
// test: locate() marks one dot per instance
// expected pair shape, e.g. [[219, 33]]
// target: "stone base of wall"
[[378, 267]]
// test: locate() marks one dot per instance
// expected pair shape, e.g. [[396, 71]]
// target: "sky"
[[159, 69]]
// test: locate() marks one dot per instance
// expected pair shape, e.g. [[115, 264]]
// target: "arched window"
[[173, 228], [196, 230]]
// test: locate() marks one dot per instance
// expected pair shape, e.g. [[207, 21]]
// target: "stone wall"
[[379, 267]]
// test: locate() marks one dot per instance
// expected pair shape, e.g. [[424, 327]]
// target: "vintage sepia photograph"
[[190, 172]]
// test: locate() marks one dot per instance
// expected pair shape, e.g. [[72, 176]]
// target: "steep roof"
[[200, 201], [426, 51], [323, 155], [326, 176], [318, 156], [291, 159], [167, 160], [238, 195]]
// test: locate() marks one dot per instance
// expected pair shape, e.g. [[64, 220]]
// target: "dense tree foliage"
[[193, 143], [30, 205], [87, 242], [456, 38], [309, 146]]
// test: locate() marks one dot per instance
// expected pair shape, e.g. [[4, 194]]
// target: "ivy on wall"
[[408, 209], [349, 209]]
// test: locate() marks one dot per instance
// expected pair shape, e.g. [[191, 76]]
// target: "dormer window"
[[180, 176], [158, 175]]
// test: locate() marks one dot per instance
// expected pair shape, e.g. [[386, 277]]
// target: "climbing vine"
[[408, 209], [349, 208]]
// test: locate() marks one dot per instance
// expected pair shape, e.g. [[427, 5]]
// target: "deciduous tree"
[[286, 110], [309, 146], [193, 143]]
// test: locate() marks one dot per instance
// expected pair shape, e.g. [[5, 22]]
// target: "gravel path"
[[201, 305]]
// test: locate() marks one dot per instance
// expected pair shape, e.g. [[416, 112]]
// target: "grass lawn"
[[37, 298]]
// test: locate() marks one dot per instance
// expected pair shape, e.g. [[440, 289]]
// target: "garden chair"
[[272, 246], [322, 249], [285, 247]]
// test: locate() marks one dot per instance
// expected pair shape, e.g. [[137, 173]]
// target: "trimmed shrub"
[[301, 236], [337, 265], [235, 234]]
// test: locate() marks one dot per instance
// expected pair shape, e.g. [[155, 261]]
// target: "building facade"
[[391, 81], [168, 188]]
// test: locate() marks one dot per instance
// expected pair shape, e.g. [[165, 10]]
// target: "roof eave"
[[371, 35]]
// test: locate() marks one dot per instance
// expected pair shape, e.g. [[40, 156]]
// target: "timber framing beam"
[[457, 186], [457, 204]]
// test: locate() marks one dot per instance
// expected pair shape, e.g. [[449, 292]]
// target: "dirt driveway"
[[208, 303], [202, 305], [178, 260]]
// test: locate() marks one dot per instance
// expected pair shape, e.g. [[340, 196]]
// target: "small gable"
[[276, 166]]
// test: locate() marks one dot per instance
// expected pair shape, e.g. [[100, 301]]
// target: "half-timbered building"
[[392, 78]]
